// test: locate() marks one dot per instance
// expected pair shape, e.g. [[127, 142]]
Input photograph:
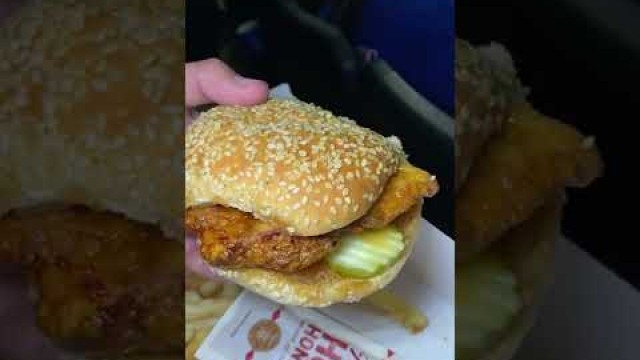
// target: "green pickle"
[[367, 254], [487, 300]]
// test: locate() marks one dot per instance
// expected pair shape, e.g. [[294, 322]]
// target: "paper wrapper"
[[256, 328]]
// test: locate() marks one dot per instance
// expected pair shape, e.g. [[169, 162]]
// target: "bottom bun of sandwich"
[[528, 253], [319, 286]]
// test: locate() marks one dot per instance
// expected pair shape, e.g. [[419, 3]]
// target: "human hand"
[[213, 82]]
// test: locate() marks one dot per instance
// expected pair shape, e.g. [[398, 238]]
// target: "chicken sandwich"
[[299, 205]]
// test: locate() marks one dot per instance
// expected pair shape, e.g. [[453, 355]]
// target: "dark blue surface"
[[416, 39]]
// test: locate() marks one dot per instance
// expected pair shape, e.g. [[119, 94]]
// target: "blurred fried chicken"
[[103, 282], [534, 157]]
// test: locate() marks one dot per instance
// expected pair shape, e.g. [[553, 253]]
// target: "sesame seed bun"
[[73, 130], [290, 162], [486, 90], [319, 286]]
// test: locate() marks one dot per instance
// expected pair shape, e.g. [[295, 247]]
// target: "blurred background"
[[580, 60], [388, 67]]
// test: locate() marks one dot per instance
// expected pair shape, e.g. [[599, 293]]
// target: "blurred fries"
[[194, 344], [206, 308], [205, 303]]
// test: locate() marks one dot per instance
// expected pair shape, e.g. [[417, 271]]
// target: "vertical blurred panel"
[[550, 165], [91, 179]]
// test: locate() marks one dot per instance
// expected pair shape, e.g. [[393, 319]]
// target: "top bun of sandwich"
[[72, 128], [487, 89], [290, 162]]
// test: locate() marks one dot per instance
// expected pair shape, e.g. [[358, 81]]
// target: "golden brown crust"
[[77, 131], [87, 266], [235, 239], [533, 158], [405, 188], [318, 286], [288, 161], [485, 94]]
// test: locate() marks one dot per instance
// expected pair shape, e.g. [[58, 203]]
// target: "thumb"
[[193, 260], [212, 81]]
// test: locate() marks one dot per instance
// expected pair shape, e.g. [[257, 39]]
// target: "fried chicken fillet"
[[233, 238], [533, 158], [103, 282]]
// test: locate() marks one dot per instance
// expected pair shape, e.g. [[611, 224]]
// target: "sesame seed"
[[295, 151]]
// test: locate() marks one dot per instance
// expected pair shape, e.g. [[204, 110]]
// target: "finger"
[[194, 261], [212, 81]]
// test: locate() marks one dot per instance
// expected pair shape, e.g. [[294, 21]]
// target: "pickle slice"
[[368, 253], [487, 299]]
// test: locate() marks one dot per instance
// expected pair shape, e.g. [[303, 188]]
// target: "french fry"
[[205, 303], [193, 281], [230, 291], [206, 324], [210, 289], [192, 297], [393, 306], [206, 308], [194, 344], [188, 333]]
